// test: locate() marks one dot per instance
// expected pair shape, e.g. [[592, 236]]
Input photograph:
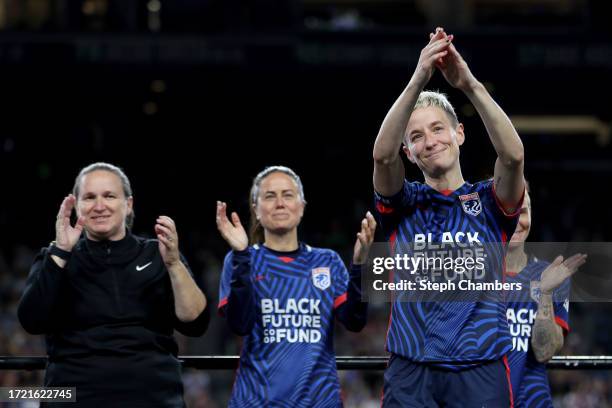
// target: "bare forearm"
[[189, 301], [391, 132], [389, 169], [547, 337], [502, 133]]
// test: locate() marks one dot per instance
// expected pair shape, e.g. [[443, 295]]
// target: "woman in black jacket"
[[108, 301]]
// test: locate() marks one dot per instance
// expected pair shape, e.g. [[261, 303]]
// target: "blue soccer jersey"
[[287, 358], [440, 331], [528, 377]]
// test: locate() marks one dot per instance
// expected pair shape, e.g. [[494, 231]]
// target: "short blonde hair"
[[438, 99]]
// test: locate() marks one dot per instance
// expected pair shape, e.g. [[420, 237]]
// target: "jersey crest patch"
[[321, 277], [471, 204]]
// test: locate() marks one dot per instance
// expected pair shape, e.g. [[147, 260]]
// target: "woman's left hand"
[[560, 270], [168, 240], [455, 70]]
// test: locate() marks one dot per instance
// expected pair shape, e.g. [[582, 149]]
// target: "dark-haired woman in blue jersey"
[[283, 296]]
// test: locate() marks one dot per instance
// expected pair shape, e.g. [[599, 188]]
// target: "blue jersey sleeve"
[[236, 299], [500, 205], [389, 210], [350, 310], [340, 278], [561, 305], [224, 284], [506, 221]]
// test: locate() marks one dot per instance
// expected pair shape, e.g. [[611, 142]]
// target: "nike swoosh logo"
[[140, 268]]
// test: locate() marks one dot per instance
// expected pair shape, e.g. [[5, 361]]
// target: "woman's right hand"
[[231, 231], [66, 236]]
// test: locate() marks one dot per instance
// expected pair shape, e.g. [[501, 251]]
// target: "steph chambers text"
[[429, 286]]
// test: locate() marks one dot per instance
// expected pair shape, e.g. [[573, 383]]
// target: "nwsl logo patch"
[[321, 278], [471, 203]]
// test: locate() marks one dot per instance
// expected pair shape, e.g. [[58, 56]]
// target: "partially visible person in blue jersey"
[[283, 296], [446, 353], [538, 315]]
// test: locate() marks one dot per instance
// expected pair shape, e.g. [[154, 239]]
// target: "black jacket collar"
[[120, 251]]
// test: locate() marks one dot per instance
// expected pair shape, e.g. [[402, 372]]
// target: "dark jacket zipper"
[[115, 282]]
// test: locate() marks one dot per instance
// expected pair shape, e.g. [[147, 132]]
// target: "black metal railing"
[[343, 362]]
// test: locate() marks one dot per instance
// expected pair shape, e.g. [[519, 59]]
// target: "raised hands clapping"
[[232, 231], [66, 236]]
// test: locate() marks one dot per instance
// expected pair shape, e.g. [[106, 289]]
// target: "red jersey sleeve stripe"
[[563, 324], [508, 378], [222, 303], [340, 300], [383, 209], [501, 206]]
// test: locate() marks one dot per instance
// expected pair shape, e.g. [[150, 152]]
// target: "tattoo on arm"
[[546, 338], [545, 308]]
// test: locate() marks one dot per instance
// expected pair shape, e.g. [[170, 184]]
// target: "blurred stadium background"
[[193, 97]]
